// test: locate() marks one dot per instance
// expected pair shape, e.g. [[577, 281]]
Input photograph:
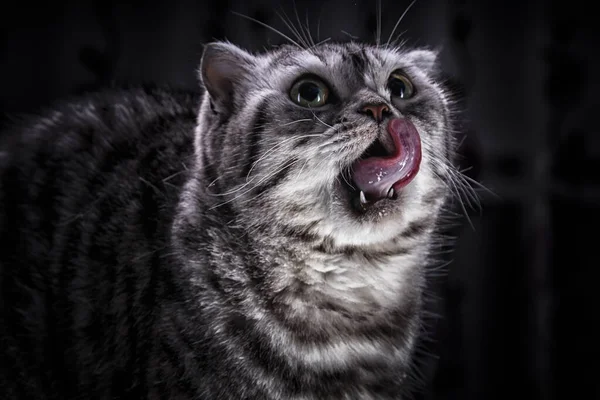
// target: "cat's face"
[[345, 141]]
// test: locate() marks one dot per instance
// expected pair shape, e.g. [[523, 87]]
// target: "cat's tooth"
[[390, 194], [363, 199]]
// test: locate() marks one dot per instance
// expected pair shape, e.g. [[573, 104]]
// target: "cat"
[[265, 238]]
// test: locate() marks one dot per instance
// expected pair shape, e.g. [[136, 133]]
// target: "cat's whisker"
[[250, 180], [452, 182], [322, 41], [466, 183], [479, 185], [288, 23], [461, 142], [394, 43], [344, 171], [297, 121], [299, 174], [287, 165], [308, 30], [283, 35], [398, 23], [320, 120], [319, 25], [276, 146], [151, 185], [378, 29], [168, 178], [458, 197], [212, 183], [467, 189], [351, 36], [305, 33]]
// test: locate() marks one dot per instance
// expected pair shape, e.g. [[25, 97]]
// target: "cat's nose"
[[376, 111]]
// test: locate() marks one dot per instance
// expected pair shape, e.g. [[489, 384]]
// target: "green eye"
[[400, 86], [309, 92]]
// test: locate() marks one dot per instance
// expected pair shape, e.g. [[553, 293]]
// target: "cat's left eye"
[[309, 92], [400, 86]]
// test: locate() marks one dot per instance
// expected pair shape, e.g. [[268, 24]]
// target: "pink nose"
[[376, 111]]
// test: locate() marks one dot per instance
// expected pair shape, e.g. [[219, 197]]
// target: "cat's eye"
[[309, 92], [400, 86]]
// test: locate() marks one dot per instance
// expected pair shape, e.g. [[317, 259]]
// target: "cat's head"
[[348, 142]]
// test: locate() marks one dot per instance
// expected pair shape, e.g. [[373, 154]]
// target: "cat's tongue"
[[375, 176]]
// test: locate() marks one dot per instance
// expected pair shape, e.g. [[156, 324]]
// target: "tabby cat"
[[267, 239]]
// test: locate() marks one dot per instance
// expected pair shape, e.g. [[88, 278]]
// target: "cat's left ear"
[[222, 67], [426, 60]]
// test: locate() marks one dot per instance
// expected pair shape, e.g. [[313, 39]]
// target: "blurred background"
[[518, 302]]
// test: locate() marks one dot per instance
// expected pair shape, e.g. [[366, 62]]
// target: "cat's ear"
[[427, 60], [222, 66]]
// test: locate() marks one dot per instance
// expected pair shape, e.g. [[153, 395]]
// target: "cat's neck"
[[300, 275]]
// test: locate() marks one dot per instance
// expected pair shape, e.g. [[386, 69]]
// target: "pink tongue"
[[376, 175]]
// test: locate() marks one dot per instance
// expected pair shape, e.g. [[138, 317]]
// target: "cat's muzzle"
[[380, 173]]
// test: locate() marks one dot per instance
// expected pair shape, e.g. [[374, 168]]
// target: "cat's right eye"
[[309, 92]]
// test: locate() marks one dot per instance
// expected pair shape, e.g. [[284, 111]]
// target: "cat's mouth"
[[387, 165]]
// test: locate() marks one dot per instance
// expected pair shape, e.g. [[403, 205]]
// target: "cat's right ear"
[[222, 66]]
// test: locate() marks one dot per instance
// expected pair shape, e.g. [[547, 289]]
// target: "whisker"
[[308, 30], [480, 185], [320, 120], [459, 187], [277, 146], [303, 29], [269, 151], [304, 34], [378, 29], [288, 23], [319, 25], [395, 41], [295, 122], [168, 178], [398, 22], [211, 184], [344, 171], [322, 41], [302, 169], [286, 166], [283, 35], [350, 35]]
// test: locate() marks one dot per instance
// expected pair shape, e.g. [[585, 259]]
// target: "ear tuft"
[[223, 64]]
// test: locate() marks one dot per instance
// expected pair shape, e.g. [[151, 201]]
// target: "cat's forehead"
[[347, 55]]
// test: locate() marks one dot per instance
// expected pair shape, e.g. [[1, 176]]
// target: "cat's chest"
[[356, 281]]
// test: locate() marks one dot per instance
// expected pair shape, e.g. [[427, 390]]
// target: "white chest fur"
[[354, 281]]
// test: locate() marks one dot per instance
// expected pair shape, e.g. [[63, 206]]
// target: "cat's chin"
[[377, 222], [367, 209]]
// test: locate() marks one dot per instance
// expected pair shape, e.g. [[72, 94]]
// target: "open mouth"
[[386, 167], [377, 149]]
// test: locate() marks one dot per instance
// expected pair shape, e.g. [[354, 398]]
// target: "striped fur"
[[167, 245]]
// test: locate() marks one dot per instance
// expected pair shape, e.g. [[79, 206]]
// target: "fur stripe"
[[253, 138]]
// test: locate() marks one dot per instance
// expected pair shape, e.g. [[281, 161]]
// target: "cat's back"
[[71, 156], [87, 192], [117, 123]]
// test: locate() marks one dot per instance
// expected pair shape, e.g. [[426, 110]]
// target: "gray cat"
[[266, 240]]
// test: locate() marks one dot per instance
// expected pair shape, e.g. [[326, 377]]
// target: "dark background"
[[519, 301]]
